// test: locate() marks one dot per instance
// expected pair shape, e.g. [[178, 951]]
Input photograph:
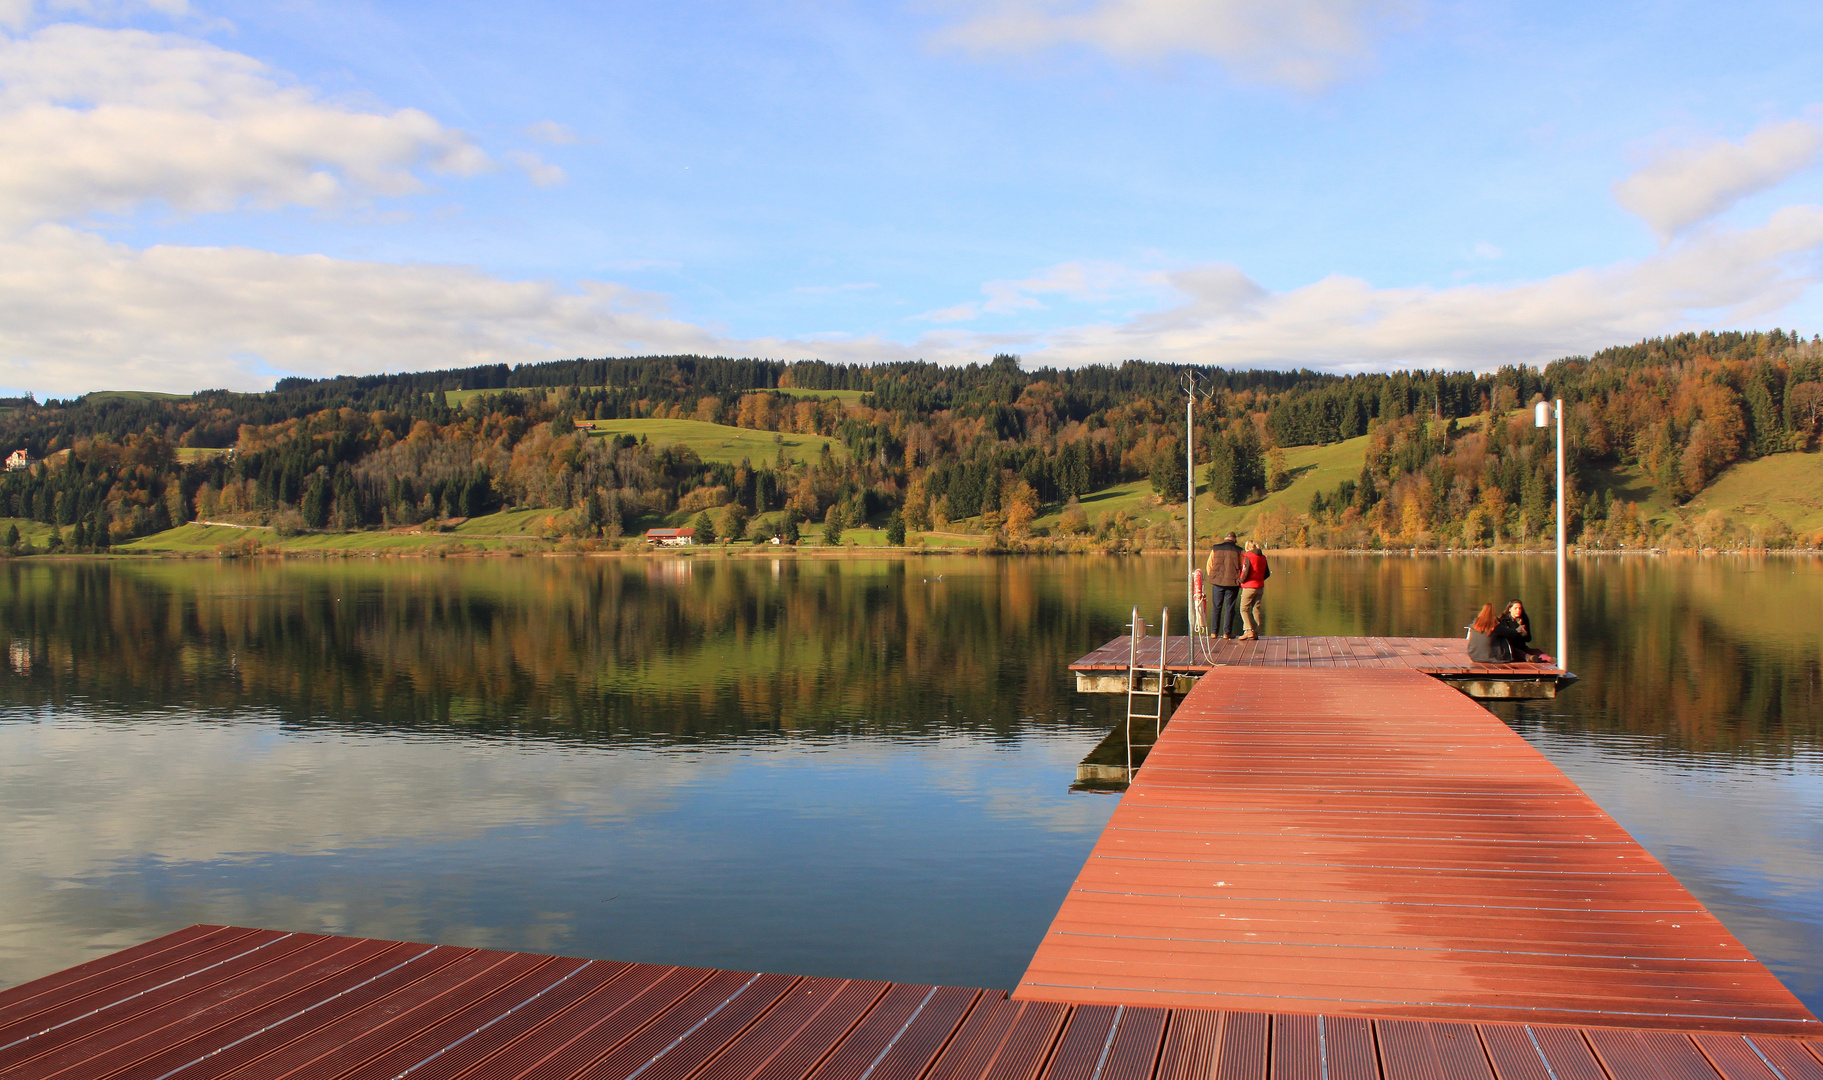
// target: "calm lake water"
[[855, 768]]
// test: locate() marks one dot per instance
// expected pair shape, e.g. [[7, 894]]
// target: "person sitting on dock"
[[1515, 617], [1253, 579], [1224, 569], [1492, 641]]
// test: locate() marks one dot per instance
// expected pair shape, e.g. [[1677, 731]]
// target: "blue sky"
[[215, 194]]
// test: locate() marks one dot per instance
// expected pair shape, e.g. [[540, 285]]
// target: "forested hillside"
[[992, 450]]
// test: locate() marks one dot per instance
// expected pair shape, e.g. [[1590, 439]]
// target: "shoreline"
[[456, 550]]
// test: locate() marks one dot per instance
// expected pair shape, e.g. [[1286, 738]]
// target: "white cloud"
[[1303, 44], [1717, 277], [1079, 281], [552, 133], [95, 120], [1691, 184], [539, 171], [80, 313]]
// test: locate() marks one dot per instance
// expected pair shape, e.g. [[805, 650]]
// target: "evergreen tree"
[[1168, 473], [1223, 483], [895, 529], [705, 528], [832, 526], [790, 533], [12, 537]]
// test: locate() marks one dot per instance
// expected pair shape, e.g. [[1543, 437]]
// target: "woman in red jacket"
[[1254, 573]]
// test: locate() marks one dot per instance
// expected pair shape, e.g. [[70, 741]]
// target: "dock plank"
[[444, 1013], [1370, 842]]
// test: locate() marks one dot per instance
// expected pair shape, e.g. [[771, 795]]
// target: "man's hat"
[[1228, 539]]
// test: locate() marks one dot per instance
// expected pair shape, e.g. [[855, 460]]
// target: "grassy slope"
[[458, 398], [1788, 487], [31, 532], [1313, 468], [718, 442], [846, 397], [135, 395]]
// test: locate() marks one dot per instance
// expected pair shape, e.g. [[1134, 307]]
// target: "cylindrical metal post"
[[1190, 510], [1563, 639]]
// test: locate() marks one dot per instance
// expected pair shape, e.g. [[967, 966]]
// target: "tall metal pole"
[[1541, 416], [1563, 638], [1190, 511]]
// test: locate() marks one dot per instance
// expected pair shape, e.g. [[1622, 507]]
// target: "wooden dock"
[[1371, 843], [1104, 671], [212, 1002]]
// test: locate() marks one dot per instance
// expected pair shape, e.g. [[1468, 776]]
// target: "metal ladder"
[[1136, 681]]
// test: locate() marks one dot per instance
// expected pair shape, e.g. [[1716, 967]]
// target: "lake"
[[854, 767]]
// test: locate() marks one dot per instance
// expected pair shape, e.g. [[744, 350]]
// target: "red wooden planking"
[[1085, 1040], [1418, 1050], [520, 980], [717, 1032], [83, 1019], [1539, 1052], [792, 1039], [875, 1036], [19, 1002], [357, 1008], [1658, 1055], [481, 974], [912, 1053], [1134, 1052], [978, 1042], [1790, 1057], [1028, 1047], [46, 1002], [1348, 1048], [1373, 843], [1296, 1052], [711, 1000], [585, 1034], [1191, 1041], [327, 1020], [193, 1027], [1245, 1040], [471, 1054], [1731, 1056], [622, 1004]]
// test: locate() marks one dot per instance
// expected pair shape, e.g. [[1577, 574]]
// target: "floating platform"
[[1370, 843], [217, 1001], [1104, 671]]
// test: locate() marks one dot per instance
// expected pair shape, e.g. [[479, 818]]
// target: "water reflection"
[[836, 767]]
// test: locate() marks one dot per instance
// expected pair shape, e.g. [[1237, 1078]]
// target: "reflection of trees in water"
[[1703, 655], [586, 648]]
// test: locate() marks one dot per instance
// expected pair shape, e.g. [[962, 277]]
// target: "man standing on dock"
[[1223, 571]]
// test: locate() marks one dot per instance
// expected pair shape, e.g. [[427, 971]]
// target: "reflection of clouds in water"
[[78, 802], [1741, 836], [786, 855]]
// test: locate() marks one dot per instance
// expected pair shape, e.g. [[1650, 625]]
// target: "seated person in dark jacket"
[[1492, 641], [1515, 617]]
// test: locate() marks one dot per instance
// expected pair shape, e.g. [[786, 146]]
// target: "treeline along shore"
[[1697, 440]]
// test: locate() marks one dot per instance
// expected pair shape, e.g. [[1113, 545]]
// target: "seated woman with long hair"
[[1492, 641], [1515, 617]]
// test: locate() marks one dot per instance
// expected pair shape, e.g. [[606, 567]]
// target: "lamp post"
[[1542, 415], [1192, 381]]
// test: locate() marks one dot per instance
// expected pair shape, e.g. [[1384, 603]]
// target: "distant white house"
[[19, 460], [671, 537]]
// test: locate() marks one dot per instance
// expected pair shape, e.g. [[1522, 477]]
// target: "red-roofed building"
[[670, 537]]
